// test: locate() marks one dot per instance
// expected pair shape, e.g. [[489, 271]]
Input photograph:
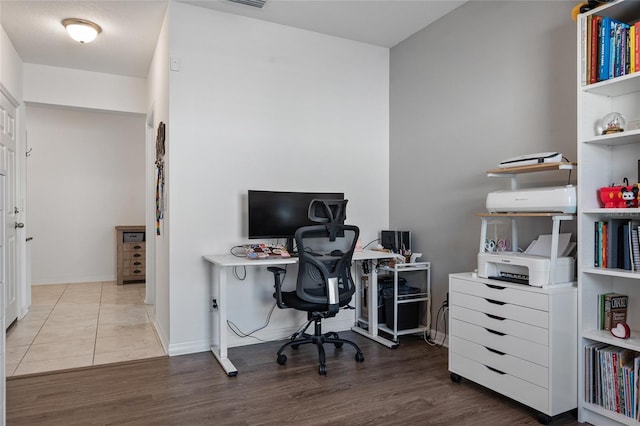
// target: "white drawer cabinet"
[[515, 339]]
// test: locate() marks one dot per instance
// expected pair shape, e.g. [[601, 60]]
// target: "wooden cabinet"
[[130, 254], [517, 340]]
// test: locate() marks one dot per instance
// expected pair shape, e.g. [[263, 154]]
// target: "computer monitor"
[[277, 214]]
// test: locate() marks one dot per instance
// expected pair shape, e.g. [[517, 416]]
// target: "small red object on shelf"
[[619, 196], [621, 331]]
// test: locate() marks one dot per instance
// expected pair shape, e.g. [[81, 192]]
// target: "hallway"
[[80, 325]]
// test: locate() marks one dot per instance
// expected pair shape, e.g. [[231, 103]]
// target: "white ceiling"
[[130, 28]]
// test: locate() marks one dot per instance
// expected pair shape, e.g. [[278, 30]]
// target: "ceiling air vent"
[[254, 3]]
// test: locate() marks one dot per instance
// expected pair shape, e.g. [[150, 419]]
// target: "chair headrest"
[[328, 211]]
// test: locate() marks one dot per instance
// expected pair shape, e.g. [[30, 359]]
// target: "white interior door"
[[11, 225]]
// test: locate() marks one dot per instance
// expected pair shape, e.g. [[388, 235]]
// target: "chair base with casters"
[[290, 300], [318, 339]]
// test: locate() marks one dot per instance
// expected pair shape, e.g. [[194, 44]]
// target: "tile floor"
[[79, 325]]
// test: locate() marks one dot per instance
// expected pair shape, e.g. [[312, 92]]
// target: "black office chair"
[[324, 282]]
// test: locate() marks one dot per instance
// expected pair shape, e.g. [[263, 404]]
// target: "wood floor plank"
[[409, 385]]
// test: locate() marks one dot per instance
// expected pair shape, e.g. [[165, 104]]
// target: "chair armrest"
[[278, 275]]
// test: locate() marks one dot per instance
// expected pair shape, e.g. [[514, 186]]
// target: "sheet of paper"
[[542, 246]]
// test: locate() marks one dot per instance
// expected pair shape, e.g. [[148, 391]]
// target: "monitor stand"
[[290, 246]]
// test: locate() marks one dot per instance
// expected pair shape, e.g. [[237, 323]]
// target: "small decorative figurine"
[[613, 122]]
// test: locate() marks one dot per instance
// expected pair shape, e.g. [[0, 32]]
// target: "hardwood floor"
[[409, 385]]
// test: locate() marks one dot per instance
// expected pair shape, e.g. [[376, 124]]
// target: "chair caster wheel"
[[338, 344], [295, 346], [322, 370], [359, 357], [282, 359]]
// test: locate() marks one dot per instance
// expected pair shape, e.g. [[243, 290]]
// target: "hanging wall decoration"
[[160, 150]]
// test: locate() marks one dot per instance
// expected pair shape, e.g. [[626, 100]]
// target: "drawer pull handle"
[[495, 351], [137, 271], [495, 317], [495, 332], [137, 255], [495, 302], [137, 247], [496, 287], [495, 370], [137, 263]]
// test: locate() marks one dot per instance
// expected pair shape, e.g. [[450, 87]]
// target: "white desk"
[[222, 263]]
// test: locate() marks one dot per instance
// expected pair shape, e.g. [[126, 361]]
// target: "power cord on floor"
[[242, 334], [444, 311]]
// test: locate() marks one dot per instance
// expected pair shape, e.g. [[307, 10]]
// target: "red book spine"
[[594, 43], [636, 53]]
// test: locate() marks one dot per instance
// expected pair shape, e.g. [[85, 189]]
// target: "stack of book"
[[617, 244], [610, 48], [612, 378], [612, 310]]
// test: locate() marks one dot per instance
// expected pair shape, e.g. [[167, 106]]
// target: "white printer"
[[525, 268]]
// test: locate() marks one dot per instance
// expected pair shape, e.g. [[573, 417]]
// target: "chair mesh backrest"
[[314, 271]]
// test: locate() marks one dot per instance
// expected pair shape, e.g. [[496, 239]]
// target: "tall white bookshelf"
[[604, 159]]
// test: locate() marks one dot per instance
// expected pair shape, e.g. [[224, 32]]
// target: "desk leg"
[[372, 318], [219, 320]]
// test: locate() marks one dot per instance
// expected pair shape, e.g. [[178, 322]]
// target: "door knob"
[[18, 225]]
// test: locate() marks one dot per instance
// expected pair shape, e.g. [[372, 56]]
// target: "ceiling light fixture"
[[81, 30]]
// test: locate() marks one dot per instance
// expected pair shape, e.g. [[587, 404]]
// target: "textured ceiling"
[[129, 33], [130, 28]]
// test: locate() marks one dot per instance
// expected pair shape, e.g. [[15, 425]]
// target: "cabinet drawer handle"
[[495, 351], [137, 247], [496, 287], [495, 317], [137, 271], [495, 332], [495, 370], [495, 302], [137, 255], [137, 263]]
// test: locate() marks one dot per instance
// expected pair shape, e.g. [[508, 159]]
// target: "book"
[[593, 56], [614, 309], [636, 51], [604, 50], [635, 248]]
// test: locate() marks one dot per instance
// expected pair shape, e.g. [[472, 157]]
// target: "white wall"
[[158, 107], [85, 176], [10, 67], [84, 89], [489, 81], [258, 105]]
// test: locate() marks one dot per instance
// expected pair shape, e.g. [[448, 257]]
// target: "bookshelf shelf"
[[604, 159], [613, 272], [511, 171], [604, 336]]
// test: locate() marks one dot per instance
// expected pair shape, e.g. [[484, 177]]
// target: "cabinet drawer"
[[133, 247], [132, 272], [520, 390], [134, 263], [522, 330], [133, 256], [490, 306], [506, 343], [517, 367], [502, 293]]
